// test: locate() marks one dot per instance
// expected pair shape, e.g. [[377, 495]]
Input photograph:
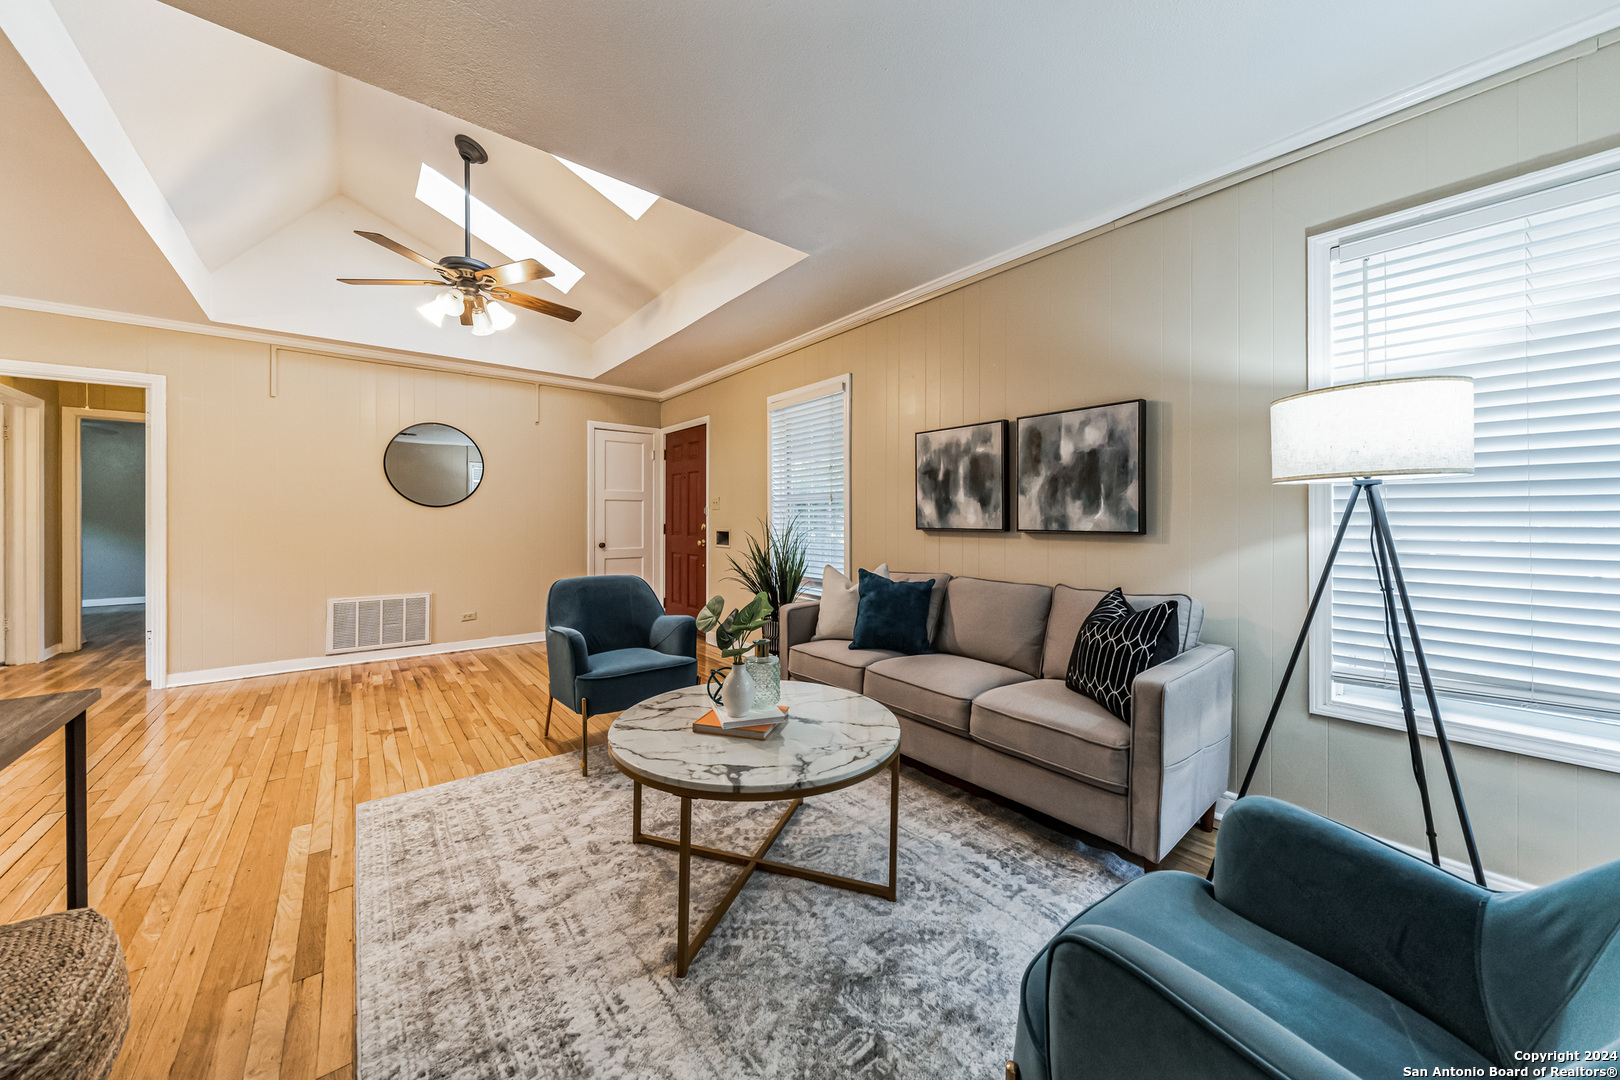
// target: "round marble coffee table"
[[833, 738]]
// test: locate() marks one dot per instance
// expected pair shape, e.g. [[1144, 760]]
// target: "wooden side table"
[[24, 723]]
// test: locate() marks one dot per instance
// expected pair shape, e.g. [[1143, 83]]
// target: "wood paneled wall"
[[1201, 310]]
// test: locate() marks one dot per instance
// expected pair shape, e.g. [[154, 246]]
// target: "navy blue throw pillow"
[[892, 615]]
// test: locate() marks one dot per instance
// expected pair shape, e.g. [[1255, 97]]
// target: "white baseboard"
[[312, 663], [51, 650], [1493, 880], [113, 601]]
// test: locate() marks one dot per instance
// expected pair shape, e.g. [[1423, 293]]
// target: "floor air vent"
[[357, 623]]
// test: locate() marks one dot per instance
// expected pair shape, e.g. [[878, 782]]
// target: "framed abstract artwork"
[[1081, 470], [962, 478]]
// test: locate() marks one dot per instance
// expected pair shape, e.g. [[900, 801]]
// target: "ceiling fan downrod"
[[471, 154]]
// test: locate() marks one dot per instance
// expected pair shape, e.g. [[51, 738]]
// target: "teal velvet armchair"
[[609, 645], [1320, 952]]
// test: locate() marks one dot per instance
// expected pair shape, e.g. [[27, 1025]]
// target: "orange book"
[[709, 724]]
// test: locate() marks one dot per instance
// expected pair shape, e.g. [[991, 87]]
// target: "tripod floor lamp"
[[1364, 433]]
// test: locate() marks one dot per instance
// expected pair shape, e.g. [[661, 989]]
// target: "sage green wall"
[[1201, 310]]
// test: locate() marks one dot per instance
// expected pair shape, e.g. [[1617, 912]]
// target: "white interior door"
[[624, 502]]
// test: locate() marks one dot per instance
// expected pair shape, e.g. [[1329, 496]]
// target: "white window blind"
[[809, 465], [1515, 570]]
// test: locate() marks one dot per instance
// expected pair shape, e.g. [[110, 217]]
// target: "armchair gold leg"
[[549, 702], [584, 736]]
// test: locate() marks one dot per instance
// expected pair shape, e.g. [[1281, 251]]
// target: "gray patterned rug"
[[507, 927]]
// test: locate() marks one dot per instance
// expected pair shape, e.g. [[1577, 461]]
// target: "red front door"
[[686, 496]]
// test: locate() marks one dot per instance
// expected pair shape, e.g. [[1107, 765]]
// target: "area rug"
[[507, 927]]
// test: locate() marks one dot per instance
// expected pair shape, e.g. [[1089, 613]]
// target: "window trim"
[[1474, 723], [836, 384]]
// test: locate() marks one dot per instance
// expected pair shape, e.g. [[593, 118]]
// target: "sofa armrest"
[[1118, 1006], [674, 634], [797, 622], [566, 660], [1408, 928], [1181, 733]]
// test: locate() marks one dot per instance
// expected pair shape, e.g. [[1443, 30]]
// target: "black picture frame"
[[940, 484], [1054, 489]]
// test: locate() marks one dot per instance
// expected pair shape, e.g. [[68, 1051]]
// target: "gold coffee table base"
[[687, 947]]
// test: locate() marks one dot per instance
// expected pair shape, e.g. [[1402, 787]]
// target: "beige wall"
[[1201, 310], [277, 504], [57, 396]]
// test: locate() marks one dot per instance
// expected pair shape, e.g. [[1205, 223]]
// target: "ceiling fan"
[[474, 285]]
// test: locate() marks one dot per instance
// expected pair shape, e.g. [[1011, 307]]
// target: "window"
[[809, 451], [1515, 570], [447, 197]]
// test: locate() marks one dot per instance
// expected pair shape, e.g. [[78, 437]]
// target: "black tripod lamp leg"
[[1381, 522], [1392, 626], [1299, 643]]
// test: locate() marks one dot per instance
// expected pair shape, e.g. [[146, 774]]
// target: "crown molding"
[[324, 347], [1571, 42]]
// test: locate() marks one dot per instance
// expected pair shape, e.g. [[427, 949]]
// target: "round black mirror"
[[433, 464]]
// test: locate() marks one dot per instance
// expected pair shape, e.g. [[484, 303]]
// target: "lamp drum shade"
[[1405, 428]]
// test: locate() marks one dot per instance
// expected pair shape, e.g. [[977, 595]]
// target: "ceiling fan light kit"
[[478, 293]]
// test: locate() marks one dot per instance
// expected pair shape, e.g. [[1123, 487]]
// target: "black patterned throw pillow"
[[1117, 643]]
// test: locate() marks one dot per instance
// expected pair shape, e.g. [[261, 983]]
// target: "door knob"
[[601, 543], [700, 543]]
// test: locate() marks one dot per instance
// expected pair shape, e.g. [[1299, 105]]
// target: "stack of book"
[[759, 724]]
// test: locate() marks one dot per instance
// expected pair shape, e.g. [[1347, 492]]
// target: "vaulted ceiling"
[[895, 144], [251, 169]]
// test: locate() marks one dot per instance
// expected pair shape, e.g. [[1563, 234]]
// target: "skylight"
[[627, 197], [445, 196]]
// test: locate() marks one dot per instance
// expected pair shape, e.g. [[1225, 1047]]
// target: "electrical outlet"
[[469, 616]]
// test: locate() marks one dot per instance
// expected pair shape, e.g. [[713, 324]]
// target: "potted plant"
[[774, 567], [731, 634]]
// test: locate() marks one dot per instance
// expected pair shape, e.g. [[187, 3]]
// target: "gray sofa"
[[988, 705]]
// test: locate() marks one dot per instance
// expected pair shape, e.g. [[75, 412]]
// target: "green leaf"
[[709, 617]]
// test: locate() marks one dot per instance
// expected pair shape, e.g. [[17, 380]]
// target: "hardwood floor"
[[222, 831]]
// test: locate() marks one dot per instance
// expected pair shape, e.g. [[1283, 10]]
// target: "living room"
[[1042, 451]]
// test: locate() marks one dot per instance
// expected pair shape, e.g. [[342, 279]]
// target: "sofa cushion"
[[1045, 722], [936, 599], [999, 622], [840, 597], [1070, 606], [937, 688], [833, 663]]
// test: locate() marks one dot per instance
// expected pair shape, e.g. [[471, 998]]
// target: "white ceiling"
[[897, 144], [251, 168]]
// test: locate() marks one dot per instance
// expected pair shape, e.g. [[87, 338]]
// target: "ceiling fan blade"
[[386, 281], [514, 273], [466, 311], [398, 249], [534, 303]]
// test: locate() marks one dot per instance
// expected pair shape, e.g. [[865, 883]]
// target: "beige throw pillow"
[[840, 600]]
